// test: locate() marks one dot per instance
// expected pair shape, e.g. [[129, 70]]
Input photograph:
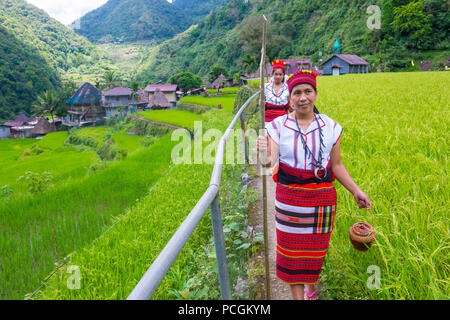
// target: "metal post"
[[219, 242]]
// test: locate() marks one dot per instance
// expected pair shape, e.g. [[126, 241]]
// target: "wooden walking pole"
[[263, 160]]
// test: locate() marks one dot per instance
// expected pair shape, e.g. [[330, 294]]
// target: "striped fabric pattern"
[[304, 220], [308, 195], [273, 111], [300, 257]]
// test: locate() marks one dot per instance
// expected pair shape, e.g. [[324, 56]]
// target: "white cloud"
[[67, 11]]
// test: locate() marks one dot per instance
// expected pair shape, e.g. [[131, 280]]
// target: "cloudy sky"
[[67, 11]]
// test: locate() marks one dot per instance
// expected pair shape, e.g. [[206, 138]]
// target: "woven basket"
[[362, 235]]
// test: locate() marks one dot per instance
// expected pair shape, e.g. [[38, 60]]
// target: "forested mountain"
[[23, 75], [231, 36], [58, 45], [34, 51], [199, 9], [133, 20]]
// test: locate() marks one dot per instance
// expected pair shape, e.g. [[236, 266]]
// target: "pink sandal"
[[307, 296]]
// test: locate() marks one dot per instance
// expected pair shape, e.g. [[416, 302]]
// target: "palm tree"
[[134, 89], [249, 63], [47, 103], [110, 79]]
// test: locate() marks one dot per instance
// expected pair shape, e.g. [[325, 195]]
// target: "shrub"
[[110, 152], [37, 182], [5, 193]]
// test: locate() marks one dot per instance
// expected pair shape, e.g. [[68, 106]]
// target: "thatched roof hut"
[[159, 100], [86, 95], [43, 127], [217, 83]]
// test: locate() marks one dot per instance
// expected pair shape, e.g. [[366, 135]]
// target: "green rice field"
[[178, 118], [112, 266], [395, 146], [224, 90], [40, 229], [227, 101]]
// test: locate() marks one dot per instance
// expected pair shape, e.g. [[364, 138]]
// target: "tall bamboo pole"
[[263, 160]]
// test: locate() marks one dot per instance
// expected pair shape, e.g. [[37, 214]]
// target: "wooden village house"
[[119, 101], [5, 131], [85, 106], [21, 127], [340, 64]]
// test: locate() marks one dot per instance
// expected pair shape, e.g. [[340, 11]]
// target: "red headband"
[[278, 64], [302, 77]]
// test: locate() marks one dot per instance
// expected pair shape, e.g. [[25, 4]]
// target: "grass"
[[226, 101], [224, 90], [112, 266], [38, 230], [53, 141], [130, 143], [178, 118]]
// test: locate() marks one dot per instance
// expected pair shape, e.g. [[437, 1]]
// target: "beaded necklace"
[[316, 163]]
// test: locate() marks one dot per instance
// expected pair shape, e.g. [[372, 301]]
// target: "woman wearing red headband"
[[276, 92], [304, 147]]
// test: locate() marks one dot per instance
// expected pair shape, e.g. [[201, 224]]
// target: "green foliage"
[[216, 71], [23, 75], [201, 282], [133, 20], [300, 29], [242, 96], [47, 103], [5, 193], [76, 139], [37, 182], [59, 46], [411, 21], [108, 152], [198, 9], [186, 80]]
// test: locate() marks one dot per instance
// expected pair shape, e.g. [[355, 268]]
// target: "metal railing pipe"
[[154, 275]]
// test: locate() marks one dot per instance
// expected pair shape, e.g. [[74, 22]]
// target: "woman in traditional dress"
[[306, 146], [276, 92]]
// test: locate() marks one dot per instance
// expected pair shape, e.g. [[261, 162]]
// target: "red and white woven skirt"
[[304, 216], [300, 257]]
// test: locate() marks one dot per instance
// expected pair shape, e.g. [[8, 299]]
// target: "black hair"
[[284, 72]]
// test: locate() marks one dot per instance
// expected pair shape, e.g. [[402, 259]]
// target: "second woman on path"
[[276, 92]]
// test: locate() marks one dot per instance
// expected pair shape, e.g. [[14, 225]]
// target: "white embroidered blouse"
[[283, 130], [279, 98]]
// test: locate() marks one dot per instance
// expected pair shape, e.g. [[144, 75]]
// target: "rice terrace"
[[90, 192]]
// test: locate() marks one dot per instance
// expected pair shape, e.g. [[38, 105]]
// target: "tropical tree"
[[186, 80], [250, 64], [134, 89], [47, 103], [110, 79], [216, 72]]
